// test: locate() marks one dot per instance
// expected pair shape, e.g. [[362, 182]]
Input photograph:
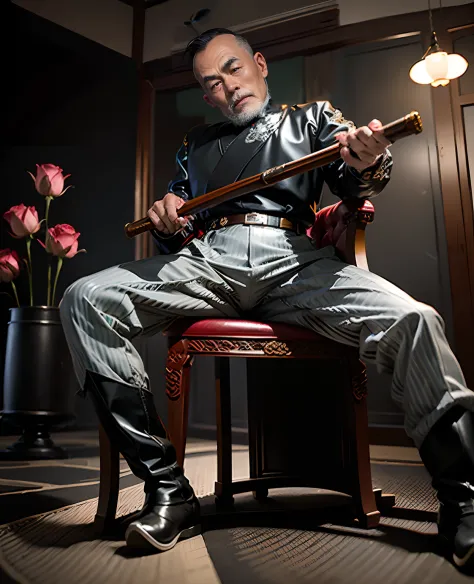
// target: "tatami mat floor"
[[47, 537]]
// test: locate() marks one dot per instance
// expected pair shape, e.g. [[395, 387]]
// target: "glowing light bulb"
[[438, 68], [437, 65], [457, 66]]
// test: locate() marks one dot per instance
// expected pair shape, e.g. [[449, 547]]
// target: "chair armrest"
[[343, 226]]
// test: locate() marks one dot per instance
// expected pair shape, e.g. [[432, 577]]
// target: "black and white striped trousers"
[[278, 276]]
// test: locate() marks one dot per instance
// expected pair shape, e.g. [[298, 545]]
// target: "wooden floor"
[[48, 535]]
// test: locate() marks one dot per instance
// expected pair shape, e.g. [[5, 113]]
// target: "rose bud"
[[9, 265], [49, 180], [62, 241], [23, 220]]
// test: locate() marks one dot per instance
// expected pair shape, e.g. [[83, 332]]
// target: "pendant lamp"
[[437, 67]]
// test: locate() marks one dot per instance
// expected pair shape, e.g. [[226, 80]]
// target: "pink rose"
[[23, 220], [49, 180], [62, 241], [9, 265]]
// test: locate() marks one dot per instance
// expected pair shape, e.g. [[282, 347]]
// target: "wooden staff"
[[406, 126]]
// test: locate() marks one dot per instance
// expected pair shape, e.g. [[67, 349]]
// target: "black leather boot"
[[448, 454], [128, 415]]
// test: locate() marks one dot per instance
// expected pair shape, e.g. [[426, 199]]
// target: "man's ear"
[[261, 63], [207, 99]]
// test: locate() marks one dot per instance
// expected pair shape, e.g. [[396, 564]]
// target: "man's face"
[[232, 79]]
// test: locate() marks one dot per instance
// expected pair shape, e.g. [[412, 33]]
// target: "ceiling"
[[148, 3]]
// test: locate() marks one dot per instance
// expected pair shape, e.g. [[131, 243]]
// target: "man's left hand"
[[368, 142]]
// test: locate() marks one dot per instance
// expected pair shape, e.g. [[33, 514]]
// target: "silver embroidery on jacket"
[[263, 127], [338, 118]]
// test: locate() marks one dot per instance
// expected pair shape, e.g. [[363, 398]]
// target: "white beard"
[[249, 114]]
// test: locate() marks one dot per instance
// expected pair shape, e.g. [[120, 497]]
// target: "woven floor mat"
[[61, 546]]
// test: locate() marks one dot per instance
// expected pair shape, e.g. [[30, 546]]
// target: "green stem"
[[15, 292], [30, 268], [46, 213], [58, 269], [48, 300], [46, 217]]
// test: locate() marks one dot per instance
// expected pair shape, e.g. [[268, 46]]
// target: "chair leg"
[[223, 486], [178, 369], [109, 483], [254, 415], [385, 501], [363, 495]]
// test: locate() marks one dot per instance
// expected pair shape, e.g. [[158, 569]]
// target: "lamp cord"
[[434, 39]]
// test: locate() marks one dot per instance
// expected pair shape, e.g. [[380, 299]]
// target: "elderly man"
[[265, 266]]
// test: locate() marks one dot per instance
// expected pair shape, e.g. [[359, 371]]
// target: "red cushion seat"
[[231, 328]]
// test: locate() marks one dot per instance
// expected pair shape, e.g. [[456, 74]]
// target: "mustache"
[[238, 97]]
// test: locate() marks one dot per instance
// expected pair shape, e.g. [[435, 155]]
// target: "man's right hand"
[[164, 214]]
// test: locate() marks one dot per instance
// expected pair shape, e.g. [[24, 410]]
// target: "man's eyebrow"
[[229, 62], [209, 78], [226, 65]]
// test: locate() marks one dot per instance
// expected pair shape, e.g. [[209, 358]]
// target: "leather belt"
[[256, 219]]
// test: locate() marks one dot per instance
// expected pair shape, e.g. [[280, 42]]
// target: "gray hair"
[[199, 43]]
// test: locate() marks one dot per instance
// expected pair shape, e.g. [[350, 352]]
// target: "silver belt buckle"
[[255, 219]]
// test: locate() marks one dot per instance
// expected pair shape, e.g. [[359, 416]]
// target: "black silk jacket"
[[281, 135]]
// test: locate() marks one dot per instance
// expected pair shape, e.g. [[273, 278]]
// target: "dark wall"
[[71, 102]]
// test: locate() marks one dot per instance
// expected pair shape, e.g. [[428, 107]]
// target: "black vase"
[[39, 382]]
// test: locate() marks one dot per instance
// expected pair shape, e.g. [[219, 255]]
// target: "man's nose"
[[231, 85]]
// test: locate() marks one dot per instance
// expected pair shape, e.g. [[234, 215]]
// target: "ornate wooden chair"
[[343, 464]]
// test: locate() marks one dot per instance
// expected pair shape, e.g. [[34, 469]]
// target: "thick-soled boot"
[[448, 454], [128, 415]]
